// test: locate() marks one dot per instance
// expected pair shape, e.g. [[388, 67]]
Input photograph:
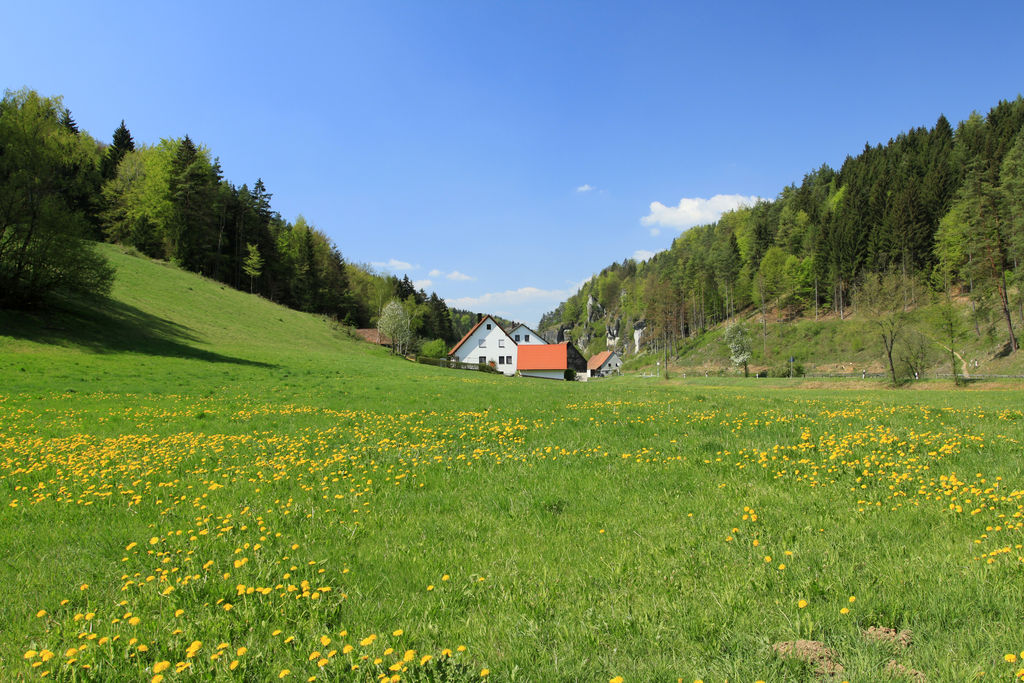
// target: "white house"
[[488, 343], [521, 334], [604, 364]]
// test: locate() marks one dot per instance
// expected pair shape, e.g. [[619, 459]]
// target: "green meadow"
[[197, 484]]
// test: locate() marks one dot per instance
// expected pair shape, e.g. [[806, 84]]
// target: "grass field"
[[197, 484]]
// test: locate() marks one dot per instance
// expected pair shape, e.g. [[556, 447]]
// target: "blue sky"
[[500, 153]]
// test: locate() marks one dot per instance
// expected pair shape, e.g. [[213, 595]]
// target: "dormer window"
[[527, 337], [517, 337]]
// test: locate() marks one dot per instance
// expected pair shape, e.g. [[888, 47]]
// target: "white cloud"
[[642, 255], [422, 284], [524, 304], [695, 211], [456, 275], [394, 265], [584, 188], [435, 272]]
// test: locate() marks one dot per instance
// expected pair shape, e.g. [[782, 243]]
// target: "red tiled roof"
[[543, 356], [597, 360]]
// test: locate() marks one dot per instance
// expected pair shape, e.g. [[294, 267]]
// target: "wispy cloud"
[[693, 211], [393, 265], [642, 255], [422, 284], [461, 277], [584, 188], [435, 272], [525, 303]]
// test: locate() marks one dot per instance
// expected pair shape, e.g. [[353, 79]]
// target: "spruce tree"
[[122, 144]]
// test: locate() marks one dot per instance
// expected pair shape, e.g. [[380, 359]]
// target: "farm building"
[[604, 364], [550, 360], [487, 343]]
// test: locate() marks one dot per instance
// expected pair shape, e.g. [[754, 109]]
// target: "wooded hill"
[[943, 209], [60, 188]]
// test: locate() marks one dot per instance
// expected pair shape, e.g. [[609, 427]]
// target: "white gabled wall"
[[489, 344], [523, 331], [611, 364]]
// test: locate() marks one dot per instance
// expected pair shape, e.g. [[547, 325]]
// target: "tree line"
[[942, 208], [61, 190]]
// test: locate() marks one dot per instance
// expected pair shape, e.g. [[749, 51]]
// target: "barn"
[[550, 361]]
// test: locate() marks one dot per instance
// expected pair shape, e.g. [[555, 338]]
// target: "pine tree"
[[68, 121], [123, 143], [191, 189]]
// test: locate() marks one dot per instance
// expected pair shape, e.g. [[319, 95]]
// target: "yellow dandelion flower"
[[284, 673], [617, 679], [161, 666], [345, 650], [157, 679], [485, 672], [325, 641], [801, 604], [845, 610], [1011, 658], [41, 613], [424, 659], [397, 632]]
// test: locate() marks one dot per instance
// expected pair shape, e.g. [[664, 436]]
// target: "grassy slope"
[[608, 520], [833, 346]]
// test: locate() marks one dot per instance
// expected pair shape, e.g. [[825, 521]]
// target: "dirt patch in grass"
[[897, 669], [884, 634], [811, 651]]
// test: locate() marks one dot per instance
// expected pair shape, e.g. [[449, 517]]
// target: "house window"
[[501, 360], [483, 360], [488, 326], [517, 337], [501, 343], [527, 337], [508, 360]]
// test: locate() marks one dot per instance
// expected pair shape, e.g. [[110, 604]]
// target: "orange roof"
[[597, 360], [543, 356]]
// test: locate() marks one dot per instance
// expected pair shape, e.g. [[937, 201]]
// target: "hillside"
[[940, 208]]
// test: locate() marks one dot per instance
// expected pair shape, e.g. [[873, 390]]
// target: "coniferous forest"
[[937, 212], [61, 190]]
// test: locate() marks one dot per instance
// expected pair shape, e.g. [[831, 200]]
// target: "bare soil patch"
[[811, 651], [884, 634]]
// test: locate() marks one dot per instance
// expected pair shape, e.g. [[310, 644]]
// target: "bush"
[[434, 349], [783, 370], [570, 375]]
